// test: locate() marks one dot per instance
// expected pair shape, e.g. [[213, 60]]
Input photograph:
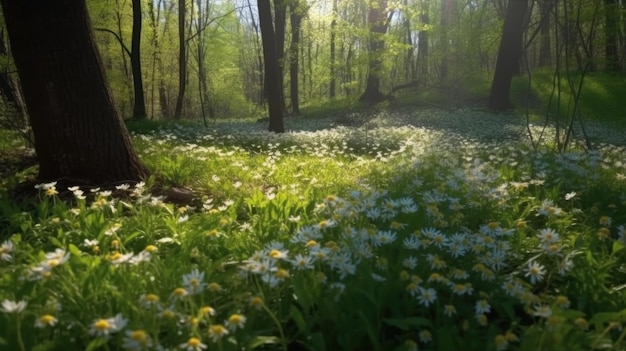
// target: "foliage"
[[422, 232]]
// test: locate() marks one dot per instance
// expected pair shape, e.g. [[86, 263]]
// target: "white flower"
[[482, 306], [303, 262], [6, 249], [542, 311], [570, 196], [9, 306], [105, 327], [194, 282], [193, 344], [535, 271], [427, 296]]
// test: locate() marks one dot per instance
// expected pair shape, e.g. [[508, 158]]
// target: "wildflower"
[[511, 337], [565, 265], [278, 254], [570, 196], [425, 336], [427, 296], [46, 320], [604, 233], [581, 323], [554, 322], [605, 221], [410, 345], [302, 262], [105, 327], [501, 342], [149, 300], [235, 321], [449, 310], [543, 311], [6, 249], [207, 311], [535, 271], [256, 302], [193, 344], [194, 281], [482, 319], [548, 236], [9, 306], [562, 301], [214, 287], [179, 293], [410, 262], [217, 331], [137, 340], [384, 237], [482, 306]]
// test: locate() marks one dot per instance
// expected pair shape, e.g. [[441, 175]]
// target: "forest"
[[312, 175]]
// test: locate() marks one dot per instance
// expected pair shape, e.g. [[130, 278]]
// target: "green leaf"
[[262, 340], [297, 317], [74, 250], [408, 323], [95, 344], [617, 246]]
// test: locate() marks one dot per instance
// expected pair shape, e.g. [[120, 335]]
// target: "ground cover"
[[416, 230]]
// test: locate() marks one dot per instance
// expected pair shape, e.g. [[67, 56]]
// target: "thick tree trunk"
[[447, 15], [9, 89], [294, 50], [271, 67], [182, 60], [422, 44], [139, 107], [78, 132], [378, 22], [545, 47], [508, 55], [280, 25]]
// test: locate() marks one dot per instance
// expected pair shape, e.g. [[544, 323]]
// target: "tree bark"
[[271, 67], [378, 22], [78, 132], [296, 15], [182, 60], [508, 55], [280, 25], [333, 34], [139, 106], [545, 48], [611, 29]]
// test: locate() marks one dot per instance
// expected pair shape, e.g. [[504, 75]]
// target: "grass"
[[601, 99], [431, 230]]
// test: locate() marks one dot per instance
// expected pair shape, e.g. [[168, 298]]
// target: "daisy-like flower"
[[427, 296], [410, 262], [449, 310], [548, 236], [570, 196], [179, 293], [47, 320], [217, 331], [501, 342], [105, 327], [303, 262], [543, 311], [194, 282], [137, 340], [149, 300], [425, 336], [605, 221], [482, 319], [410, 345], [6, 251], [535, 271], [193, 344], [235, 321], [581, 323], [256, 302], [482, 306], [9, 306]]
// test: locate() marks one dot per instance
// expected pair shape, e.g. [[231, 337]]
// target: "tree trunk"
[[508, 55], [139, 107], [333, 34], [271, 67], [545, 49], [78, 132], [294, 50], [611, 15], [447, 14], [182, 60], [9, 89], [280, 25], [378, 22], [422, 44]]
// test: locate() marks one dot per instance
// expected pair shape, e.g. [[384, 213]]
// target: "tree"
[[378, 20], [297, 11], [79, 134], [139, 106], [272, 88], [508, 55], [182, 60]]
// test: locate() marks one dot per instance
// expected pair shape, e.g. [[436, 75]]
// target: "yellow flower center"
[[193, 342], [102, 325], [180, 292], [151, 248], [47, 319], [235, 319], [282, 273], [139, 335], [152, 298], [215, 287], [274, 253]]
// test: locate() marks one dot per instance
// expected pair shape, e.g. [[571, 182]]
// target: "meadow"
[[409, 230]]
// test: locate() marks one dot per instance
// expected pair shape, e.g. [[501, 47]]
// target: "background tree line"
[[173, 59]]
